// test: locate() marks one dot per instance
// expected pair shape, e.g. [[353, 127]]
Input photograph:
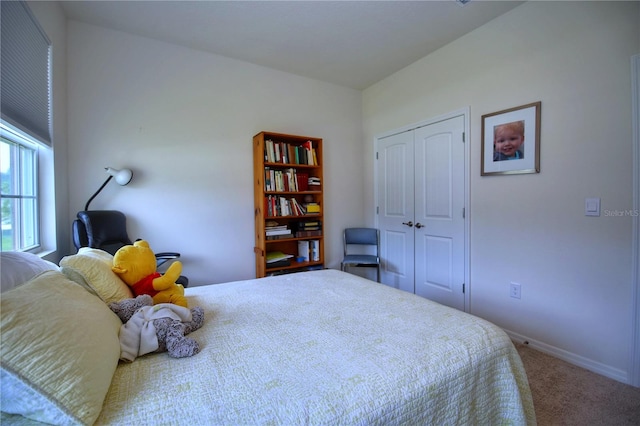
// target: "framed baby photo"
[[511, 141]]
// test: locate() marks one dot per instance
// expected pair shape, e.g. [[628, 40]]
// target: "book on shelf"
[[291, 150], [279, 263], [277, 256], [314, 181], [275, 152], [298, 208], [310, 228], [305, 234], [292, 180], [312, 207], [314, 250], [276, 229], [280, 180], [273, 224], [279, 237], [304, 250], [269, 153], [303, 181], [276, 205], [285, 153], [310, 154], [277, 232], [309, 225], [272, 232]]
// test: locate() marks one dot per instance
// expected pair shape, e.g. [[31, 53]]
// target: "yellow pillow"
[[91, 268], [59, 351]]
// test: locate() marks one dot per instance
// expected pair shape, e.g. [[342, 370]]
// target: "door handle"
[[419, 225], [409, 224]]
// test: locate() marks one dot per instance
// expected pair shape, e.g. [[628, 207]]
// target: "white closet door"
[[439, 220], [396, 209]]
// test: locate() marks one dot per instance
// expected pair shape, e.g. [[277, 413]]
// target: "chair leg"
[[378, 273]]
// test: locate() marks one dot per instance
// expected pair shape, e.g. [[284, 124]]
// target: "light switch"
[[592, 206]]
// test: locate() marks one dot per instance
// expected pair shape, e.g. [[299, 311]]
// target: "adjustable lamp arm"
[[123, 177], [86, 206]]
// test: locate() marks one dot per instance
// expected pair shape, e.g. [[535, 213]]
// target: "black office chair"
[[361, 237], [107, 230]]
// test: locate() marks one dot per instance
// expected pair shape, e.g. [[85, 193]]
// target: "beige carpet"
[[564, 394]]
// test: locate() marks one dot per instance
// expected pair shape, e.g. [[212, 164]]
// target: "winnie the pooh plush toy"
[[136, 266]]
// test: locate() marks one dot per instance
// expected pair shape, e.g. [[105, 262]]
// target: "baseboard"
[[580, 361]]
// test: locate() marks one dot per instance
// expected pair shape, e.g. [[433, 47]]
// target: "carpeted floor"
[[564, 394]]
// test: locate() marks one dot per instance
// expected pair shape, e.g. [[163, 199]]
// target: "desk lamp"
[[123, 177]]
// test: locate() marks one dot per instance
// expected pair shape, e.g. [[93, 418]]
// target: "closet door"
[[439, 221], [420, 189], [396, 209]]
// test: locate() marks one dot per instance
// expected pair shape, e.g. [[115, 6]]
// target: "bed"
[[311, 348]]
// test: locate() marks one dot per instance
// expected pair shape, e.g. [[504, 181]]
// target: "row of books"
[[282, 152], [312, 208], [276, 259], [309, 225], [294, 270], [276, 205], [286, 180], [311, 228], [276, 231], [309, 250]]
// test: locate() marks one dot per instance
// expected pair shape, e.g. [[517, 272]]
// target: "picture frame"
[[511, 141]]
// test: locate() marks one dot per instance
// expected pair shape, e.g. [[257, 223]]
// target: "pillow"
[[19, 267], [59, 351], [91, 268]]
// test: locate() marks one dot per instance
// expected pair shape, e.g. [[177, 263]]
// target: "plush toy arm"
[[179, 346], [168, 279], [125, 308], [197, 319], [174, 270]]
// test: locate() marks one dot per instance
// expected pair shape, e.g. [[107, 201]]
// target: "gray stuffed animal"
[[170, 332]]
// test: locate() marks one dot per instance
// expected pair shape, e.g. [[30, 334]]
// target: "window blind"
[[25, 77]]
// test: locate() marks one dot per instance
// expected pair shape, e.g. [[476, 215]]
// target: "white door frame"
[[466, 113], [634, 364]]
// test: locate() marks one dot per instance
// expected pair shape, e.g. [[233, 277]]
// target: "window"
[[19, 190], [25, 128]]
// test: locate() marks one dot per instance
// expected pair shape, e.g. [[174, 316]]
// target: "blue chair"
[[362, 237]]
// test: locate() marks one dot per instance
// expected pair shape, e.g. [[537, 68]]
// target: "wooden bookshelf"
[[288, 200]]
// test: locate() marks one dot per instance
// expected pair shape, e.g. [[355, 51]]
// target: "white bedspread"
[[329, 348]]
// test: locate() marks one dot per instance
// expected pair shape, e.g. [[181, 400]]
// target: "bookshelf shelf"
[[288, 165], [301, 217], [288, 181], [293, 265], [292, 192]]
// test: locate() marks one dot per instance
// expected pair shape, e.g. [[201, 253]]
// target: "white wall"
[[53, 183], [183, 121], [575, 271]]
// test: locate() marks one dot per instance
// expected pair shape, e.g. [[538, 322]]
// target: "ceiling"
[[349, 43]]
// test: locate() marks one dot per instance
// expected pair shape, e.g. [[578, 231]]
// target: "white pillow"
[[19, 267], [59, 349], [91, 268]]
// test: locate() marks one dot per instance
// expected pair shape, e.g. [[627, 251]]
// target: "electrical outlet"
[[514, 290]]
